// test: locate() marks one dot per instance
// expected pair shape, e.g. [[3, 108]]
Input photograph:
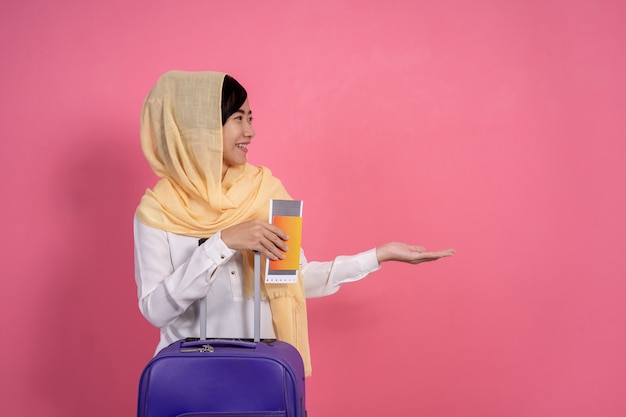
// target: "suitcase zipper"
[[203, 348]]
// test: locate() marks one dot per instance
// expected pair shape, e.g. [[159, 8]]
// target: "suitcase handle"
[[219, 342], [257, 303]]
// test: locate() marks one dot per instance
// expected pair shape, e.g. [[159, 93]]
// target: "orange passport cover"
[[292, 226]]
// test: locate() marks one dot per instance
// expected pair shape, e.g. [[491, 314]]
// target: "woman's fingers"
[[270, 248], [256, 235], [431, 256], [277, 237], [398, 251]]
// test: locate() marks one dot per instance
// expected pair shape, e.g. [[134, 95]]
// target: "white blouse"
[[173, 272]]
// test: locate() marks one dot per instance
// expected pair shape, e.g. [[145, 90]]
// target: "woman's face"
[[237, 133]]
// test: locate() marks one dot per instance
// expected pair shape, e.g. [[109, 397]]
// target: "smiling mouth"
[[242, 145]]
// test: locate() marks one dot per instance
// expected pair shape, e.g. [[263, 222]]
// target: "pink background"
[[496, 128]]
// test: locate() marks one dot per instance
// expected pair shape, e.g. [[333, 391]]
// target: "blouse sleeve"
[[165, 291], [325, 278]]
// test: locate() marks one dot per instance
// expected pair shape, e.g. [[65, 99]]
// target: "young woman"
[[196, 229]]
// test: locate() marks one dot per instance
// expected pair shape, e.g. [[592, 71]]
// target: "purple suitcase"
[[226, 378]]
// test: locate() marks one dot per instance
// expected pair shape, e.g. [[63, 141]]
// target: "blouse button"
[[232, 272]]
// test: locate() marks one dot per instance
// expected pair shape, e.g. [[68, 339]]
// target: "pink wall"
[[496, 128]]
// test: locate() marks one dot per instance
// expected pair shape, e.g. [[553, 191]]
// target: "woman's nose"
[[249, 130]]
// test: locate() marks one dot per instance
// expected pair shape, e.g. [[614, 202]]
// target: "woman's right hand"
[[257, 235]]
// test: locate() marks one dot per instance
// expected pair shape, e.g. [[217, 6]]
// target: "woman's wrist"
[[381, 254]]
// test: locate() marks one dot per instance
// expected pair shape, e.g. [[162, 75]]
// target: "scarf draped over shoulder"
[[181, 137]]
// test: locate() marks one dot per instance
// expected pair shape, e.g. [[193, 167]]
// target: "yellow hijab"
[[181, 137]]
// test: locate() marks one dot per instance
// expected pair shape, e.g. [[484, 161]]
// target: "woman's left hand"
[[402, 252]]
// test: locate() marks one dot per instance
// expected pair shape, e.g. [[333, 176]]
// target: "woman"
[[196, 229]]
